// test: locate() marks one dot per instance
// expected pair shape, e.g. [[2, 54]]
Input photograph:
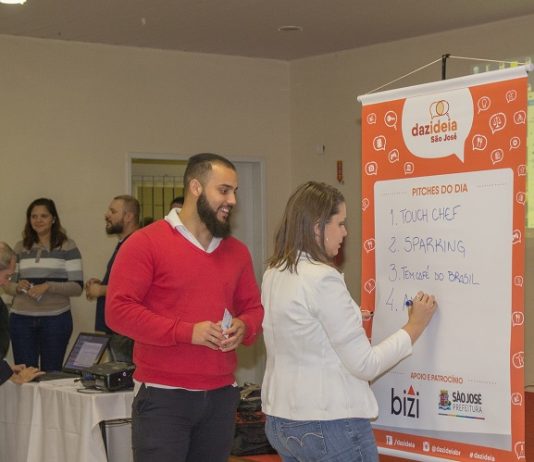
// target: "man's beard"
[[208, 216], [116, 228]]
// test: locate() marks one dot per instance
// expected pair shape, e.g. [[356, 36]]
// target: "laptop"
[[86, 352], [121, 349]]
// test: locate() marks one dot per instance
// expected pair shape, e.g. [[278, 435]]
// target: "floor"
[[529, 431], [275, 458]]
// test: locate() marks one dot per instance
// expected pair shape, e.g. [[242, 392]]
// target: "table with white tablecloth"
[[55, 421]]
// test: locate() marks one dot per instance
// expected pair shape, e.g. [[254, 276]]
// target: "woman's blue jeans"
[[40, 341], [343, 440]]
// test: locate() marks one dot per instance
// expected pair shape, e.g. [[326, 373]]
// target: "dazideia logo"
[[437, 125], [405, 404], [441, 127]]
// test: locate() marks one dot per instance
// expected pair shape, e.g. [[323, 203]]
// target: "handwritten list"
[[447, 235]]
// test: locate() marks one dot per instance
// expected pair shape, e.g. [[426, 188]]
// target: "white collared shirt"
[[173, 218]]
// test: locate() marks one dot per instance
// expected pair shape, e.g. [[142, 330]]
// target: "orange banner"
[[443, 207]]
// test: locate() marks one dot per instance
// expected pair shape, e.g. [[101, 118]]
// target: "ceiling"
[[249, 27]]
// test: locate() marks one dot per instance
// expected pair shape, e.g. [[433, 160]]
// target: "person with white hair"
[[18, 373]]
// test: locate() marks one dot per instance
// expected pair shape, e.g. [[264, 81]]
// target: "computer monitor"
[[86, 352]]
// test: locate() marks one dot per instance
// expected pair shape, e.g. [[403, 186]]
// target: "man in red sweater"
[[169, 287]]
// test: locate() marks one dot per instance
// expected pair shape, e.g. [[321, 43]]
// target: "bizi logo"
[[407, 404]]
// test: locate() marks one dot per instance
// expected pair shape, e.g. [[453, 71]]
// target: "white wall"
[[71, 113]]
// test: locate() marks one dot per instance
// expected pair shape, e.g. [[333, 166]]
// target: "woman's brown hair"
[[57, 233], [311, 204]]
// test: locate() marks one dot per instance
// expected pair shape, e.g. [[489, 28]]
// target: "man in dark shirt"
[[122, 219]]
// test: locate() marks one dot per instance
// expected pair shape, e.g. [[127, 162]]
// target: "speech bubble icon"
[[515, 142], [371, 118], [511, 95], [483, 104], [516, 236], [369, 245], [519, 449], [521, 170], [369, 285], [518, 318], [518, 281], [365, 204], [520, 117], [497, 122], [439, 108], [479, 142], [437, 125], [390, 119], [379, 143], [371, 168], [518, 360], [393, 156], [521, 198], [409, 168], [497, 156], [517, 399]]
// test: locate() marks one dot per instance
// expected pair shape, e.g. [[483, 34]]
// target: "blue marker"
[[409, 303]]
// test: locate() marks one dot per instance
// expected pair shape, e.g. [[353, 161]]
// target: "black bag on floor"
[[250, 436]]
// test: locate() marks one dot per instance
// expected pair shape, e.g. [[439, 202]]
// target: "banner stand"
[[529, 67], [443, 211]]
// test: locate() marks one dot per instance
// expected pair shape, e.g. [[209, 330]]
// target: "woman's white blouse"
[[319, 359]]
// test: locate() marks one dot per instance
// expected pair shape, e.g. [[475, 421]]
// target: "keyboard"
[[56, 375]]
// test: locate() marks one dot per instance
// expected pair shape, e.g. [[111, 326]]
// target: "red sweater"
[[161, 285]]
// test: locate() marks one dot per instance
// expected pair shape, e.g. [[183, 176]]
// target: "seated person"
[[19, 373], [4, 329]]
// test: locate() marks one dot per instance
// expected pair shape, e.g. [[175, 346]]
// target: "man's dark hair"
[[177, 201], [131, 204], [199, 165]]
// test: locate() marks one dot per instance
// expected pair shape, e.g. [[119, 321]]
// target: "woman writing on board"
[[315, 390]]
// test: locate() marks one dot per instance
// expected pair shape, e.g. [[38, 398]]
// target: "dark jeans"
[[40, 341], [183, 426]]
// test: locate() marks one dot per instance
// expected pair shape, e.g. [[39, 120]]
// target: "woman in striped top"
[[48, 273]]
